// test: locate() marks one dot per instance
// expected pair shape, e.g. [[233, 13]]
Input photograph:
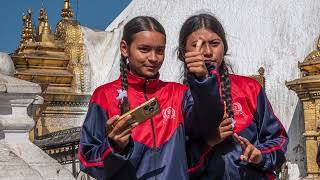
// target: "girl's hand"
[[195, 62], [225, 129], [121, 132], [249, 152]]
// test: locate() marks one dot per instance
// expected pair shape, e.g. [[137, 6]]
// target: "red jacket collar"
[[139, 82]]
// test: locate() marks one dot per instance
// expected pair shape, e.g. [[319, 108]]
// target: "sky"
[[96, 14]]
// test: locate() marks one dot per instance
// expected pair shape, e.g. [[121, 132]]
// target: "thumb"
[[198, 45]]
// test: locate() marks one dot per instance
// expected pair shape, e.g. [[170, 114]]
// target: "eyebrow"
[[215, 39], [146, 45]]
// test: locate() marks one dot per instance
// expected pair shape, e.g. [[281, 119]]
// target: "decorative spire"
[[46, 29], [67, 12], [27, 32], [46, 35], [30, 26], [41, 20]]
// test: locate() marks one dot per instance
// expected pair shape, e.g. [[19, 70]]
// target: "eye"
[[144, 49], [194, 44], [160, 50], [214, 43]]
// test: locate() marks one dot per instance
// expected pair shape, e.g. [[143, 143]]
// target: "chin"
[[150, 75]]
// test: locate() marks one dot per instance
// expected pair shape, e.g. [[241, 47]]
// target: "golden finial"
[[46, 35], [46, 28], [67, 12], [27, 32], [41, 20]]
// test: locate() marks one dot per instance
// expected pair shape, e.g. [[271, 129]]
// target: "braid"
[[125, 106], [226, 88], [185, 74]]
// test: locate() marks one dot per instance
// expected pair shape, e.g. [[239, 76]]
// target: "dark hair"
[[209, 22], [134, 26]]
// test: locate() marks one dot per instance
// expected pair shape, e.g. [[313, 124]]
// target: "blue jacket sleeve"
[[273, 139], [202, 106], [95, 150]]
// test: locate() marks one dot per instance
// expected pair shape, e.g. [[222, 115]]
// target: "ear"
[[124, 48]]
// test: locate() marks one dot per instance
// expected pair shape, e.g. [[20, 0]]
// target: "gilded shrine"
[[307, 88], [56, 61]]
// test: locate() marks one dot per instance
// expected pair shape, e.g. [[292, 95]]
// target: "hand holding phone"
[[139, 114]]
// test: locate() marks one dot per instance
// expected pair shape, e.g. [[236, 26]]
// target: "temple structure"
[[307, 88], [55, 61]]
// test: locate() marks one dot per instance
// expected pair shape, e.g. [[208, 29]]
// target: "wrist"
[[118, 147]]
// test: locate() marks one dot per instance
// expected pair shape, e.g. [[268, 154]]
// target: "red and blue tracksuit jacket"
[[254, 120], [157, 146]]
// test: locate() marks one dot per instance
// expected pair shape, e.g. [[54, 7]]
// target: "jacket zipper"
[[154, 148]]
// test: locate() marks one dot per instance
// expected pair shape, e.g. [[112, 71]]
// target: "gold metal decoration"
[[307, 88], [260, 77], [27, 31], [66, 12]]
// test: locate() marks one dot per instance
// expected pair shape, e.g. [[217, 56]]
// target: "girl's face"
[[145, 53], [212, 47]]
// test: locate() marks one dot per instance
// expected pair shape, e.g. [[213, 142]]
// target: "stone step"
[[45, 75], [28, 61]]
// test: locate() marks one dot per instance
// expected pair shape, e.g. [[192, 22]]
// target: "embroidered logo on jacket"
[[237, 109], [169, 113]]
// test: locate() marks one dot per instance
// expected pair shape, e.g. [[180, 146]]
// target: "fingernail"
[[245, 158]]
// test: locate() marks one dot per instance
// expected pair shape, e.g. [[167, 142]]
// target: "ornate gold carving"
[[260, 78], [41, 21], [66, 12], [27, 31], [75, 51]]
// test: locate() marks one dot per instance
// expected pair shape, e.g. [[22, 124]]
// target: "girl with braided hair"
[[250, 142], [154, 149]]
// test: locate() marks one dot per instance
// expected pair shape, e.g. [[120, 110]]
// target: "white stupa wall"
[[266, 33]]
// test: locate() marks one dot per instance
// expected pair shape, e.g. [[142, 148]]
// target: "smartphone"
[[141, 113]]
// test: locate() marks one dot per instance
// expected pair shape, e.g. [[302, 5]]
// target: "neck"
[[143, 76]]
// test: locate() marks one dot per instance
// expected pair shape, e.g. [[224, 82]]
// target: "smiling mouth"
[[152, 67]]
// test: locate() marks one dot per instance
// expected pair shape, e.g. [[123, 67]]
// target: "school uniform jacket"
[[254, 120], [157, 146]]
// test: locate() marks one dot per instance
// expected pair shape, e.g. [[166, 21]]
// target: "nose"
[[153, 57], [207, 51]]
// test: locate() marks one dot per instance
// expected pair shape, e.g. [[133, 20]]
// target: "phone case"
[[142, 112]]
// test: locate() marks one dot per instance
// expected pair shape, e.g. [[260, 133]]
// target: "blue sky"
[[96, 14]]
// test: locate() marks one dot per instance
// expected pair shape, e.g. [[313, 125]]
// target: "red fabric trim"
[[200, 162], [93, 164], [270, 176]]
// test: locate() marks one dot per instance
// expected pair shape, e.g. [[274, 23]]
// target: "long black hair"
[[134, 26], [209, 22]]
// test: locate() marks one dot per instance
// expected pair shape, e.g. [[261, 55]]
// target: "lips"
[[153, 68], [209, 61]]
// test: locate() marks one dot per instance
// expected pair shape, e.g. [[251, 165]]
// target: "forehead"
[[204, 34], [151, 38]]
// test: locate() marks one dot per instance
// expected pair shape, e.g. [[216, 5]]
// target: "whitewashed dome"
[[6, 64]]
